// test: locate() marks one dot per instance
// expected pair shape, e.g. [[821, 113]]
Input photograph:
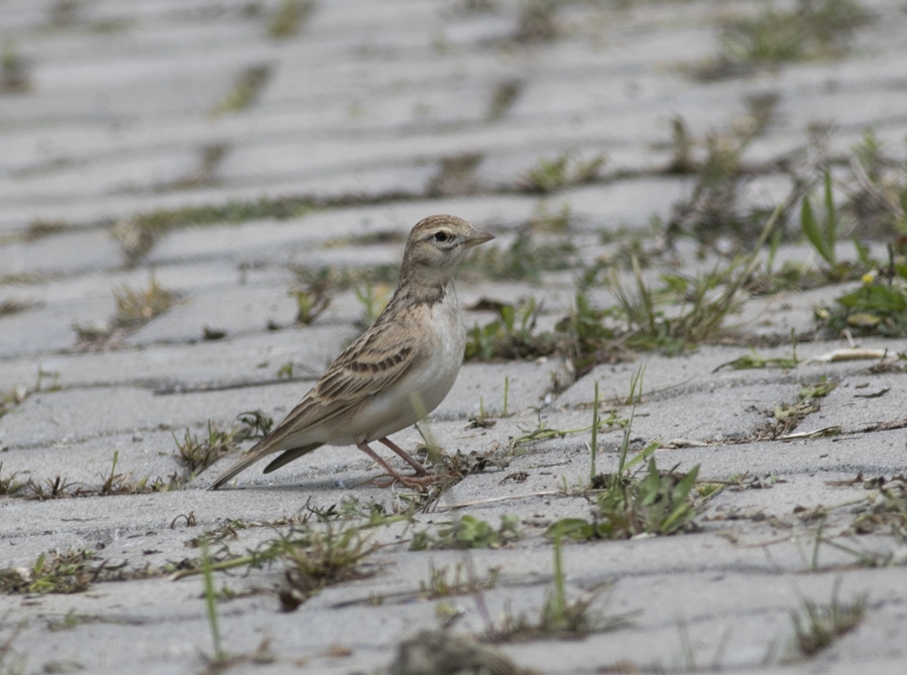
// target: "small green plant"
[[754, 361], [12, 398], [559, 618], [374, 299], [13, 74], [219, 655], [313, 557], [887, 507], [55, 572], [13, 306], [593, 447], [313, 298], [245, 91], [113, 482], [878, 205], [211, 157], [878, 306], [814, 29], [456, 176], [537, 21], [524, 260], [543, 220], [787, 416], [468, 532], [288, 18], [654, 502], [818, 626], [8, 484], [136, 307], [198, 455], [511, 336], [713, 210], [565, 170], [503, 97], [821, 235], [444, 582], [138, 234]]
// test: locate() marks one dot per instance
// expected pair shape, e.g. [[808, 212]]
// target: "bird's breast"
[[423, 388]]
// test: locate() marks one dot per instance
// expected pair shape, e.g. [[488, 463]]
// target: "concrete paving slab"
[[255, 359], [365, 104], [70, 253]]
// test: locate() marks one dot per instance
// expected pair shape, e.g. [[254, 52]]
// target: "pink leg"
[[420, 470], [410, 481]]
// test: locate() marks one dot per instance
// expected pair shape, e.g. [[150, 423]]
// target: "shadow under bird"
[[396, 372]]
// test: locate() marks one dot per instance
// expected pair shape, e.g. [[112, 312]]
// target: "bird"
[[396, 372]]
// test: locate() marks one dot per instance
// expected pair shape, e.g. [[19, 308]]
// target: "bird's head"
[[435, 247]]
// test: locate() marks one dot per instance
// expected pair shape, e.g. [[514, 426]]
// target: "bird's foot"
[[413, 481]]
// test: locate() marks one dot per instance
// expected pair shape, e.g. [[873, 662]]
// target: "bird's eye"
[[442, 237]]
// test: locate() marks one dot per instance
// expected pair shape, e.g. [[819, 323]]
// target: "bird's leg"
[[420, 470], [410, 481]]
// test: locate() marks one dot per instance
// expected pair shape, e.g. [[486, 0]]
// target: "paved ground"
[[322, 148]]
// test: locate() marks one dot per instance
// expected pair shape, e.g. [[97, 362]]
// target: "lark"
[[396, 372]]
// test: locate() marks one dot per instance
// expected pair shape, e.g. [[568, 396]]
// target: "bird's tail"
[[255, 454]]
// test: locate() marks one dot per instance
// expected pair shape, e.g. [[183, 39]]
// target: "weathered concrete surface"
[[364, 117]]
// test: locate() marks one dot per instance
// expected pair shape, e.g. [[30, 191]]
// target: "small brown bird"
[[396, 372]]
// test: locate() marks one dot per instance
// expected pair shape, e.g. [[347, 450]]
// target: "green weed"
[[55, 572], [12, 398], [136, 307], [374, 299], [197, 455], [632, 503], [815, 29], [818, 626], [565, 170], [537, 21], [313, 297], [444, 582], [289, 17], [559, 618], [9, 486], [713, 208], [878, 306], [511, 336], [13, 306], [467, 532], [543, 220], [503, 97], [14, 77], [787, 416], [523, 260], [245, 91], [878, 205], [138, 234]]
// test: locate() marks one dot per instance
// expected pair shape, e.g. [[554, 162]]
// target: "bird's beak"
[[477, 238]]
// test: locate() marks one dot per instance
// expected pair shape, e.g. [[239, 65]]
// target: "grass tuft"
[[524, 260], [246, 89], [818, 626], [814, 29], [467, 532], [14, 77], [136, 307], [289, 17], [565, 170]]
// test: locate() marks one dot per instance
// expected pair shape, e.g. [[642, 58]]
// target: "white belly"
[[422, 390]]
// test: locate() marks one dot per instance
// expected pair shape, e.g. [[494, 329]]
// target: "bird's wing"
[[370, 366]]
